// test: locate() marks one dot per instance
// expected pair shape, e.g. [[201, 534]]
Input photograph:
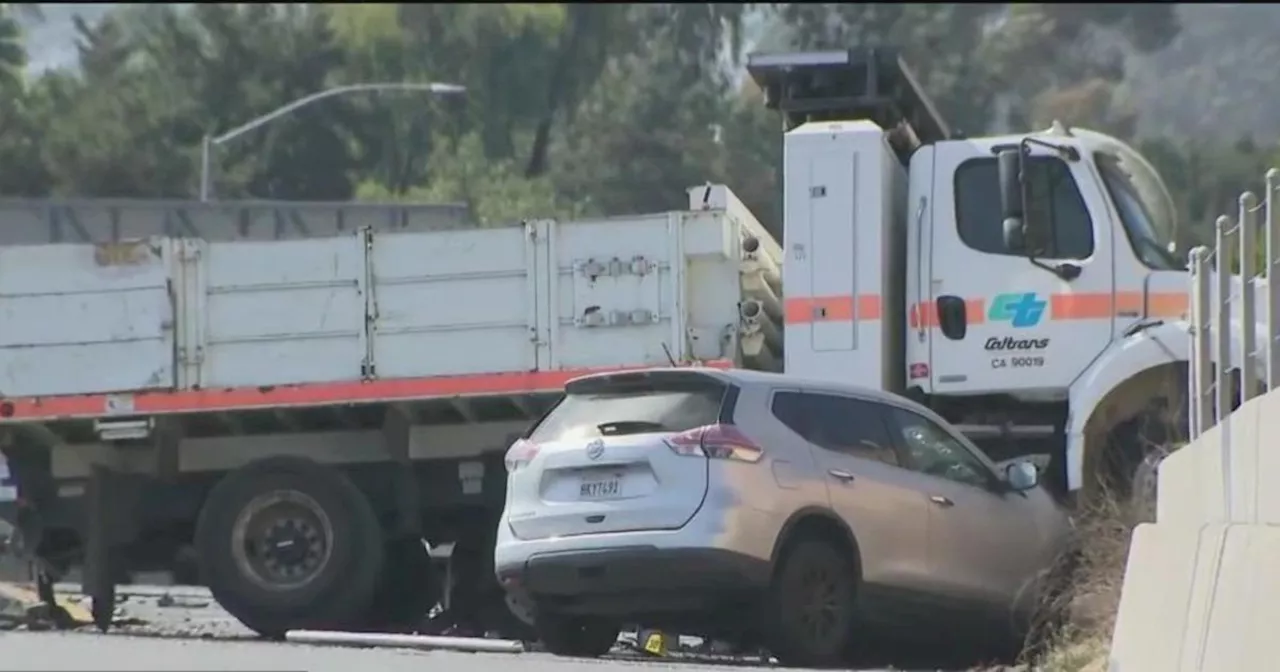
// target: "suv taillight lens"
[[520, 454], [718, 442]]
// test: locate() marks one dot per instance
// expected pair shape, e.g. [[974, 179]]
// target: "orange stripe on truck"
[[1100, 305], [1081, 306], [926, 314], [839, 308], [1071, 306], [159, 402], [1168, 304]]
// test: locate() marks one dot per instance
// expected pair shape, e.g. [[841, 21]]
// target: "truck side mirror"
[[1012, 209]]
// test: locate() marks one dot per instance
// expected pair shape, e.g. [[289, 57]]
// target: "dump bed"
[[168, 324]]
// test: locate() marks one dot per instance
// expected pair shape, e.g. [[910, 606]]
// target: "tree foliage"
[[571, 109]]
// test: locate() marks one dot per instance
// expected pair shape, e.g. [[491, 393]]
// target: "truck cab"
[[1019, 285]]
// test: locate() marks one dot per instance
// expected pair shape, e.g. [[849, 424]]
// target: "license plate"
[[600, 488]]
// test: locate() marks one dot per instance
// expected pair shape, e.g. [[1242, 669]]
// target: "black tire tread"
[[340, 597], [788, 650]]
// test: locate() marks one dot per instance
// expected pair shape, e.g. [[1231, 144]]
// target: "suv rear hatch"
[[608, 457]]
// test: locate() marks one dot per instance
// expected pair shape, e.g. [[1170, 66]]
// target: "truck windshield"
[[1137, 214]]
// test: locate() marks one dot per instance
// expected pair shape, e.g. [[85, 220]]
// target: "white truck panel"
[[845, 237], [539, 296], [82, 319], [453, 303], [283, 312], [615, 289]]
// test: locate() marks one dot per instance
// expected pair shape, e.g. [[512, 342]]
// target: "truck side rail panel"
[[372, 317], [453, 303], [79, 319], [280, 312]]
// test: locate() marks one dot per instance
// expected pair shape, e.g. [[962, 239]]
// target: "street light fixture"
[[206, 149]]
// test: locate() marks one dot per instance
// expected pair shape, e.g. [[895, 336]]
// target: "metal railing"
[[1225, 281]]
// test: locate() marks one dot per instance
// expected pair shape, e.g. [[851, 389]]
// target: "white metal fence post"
[[1272, 307], [1200, 397], [1221, 318], [1248, 219], [1222, 352]]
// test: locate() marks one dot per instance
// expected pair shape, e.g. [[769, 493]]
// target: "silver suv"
[[741, 504]]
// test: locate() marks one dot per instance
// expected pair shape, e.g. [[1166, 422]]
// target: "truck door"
[[1005, 322]]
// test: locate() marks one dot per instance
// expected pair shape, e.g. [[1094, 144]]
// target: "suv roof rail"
[[870, 83]]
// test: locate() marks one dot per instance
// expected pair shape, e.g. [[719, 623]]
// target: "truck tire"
[[286, 543], [408, 587]]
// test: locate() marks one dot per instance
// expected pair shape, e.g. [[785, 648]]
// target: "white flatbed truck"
[[305, 412]]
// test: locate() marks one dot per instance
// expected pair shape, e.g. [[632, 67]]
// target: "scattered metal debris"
[[473, 644]]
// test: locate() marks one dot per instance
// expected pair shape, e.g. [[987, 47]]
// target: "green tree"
[[13, 53]]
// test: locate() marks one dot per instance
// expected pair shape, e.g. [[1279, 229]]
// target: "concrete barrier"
[[1201, 584], [1199, 598], [1242, 449]]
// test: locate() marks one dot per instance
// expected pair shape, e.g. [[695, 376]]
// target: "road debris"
[[474, 644]]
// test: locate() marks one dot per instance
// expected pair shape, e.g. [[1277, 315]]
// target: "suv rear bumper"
[[632, 580]]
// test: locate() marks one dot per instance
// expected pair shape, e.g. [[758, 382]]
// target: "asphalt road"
[[83, 651], [181, 628]]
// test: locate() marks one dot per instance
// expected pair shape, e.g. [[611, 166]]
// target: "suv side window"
[[1053, 198], [844, 425], [933, 451]]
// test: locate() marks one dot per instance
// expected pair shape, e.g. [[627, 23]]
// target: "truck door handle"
[[841, 474], [942, 501]]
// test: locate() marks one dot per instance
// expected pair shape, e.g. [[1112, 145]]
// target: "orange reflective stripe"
[[1168, 304], [20, 409], [1101, 305], [926, 314], [861, 308], [1080, 306], [1071, 306]]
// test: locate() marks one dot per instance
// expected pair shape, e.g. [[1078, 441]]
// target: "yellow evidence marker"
[[654, 642]]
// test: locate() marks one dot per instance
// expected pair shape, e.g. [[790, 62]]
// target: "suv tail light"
[[520, 454], [717, 442]]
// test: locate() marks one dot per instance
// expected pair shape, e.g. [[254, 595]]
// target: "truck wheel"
[[577, 636], [286, 543], [408, 587], [1136, 448], [811, 606]]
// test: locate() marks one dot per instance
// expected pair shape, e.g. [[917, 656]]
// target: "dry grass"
[[1083, 643]]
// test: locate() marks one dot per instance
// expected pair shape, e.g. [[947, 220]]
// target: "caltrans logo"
[[1019, 310]]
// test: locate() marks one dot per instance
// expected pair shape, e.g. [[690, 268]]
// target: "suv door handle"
[[841, 474], [942, 501]]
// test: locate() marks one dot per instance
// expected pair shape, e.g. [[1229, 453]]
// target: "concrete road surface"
[[180, 628], [84, 651]]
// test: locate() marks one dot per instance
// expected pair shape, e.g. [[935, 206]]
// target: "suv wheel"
[[578, 636], [811, 606]]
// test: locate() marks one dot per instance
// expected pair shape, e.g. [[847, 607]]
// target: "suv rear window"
[[633, 404]]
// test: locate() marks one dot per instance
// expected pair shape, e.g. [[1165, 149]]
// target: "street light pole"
[[208, 144]]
